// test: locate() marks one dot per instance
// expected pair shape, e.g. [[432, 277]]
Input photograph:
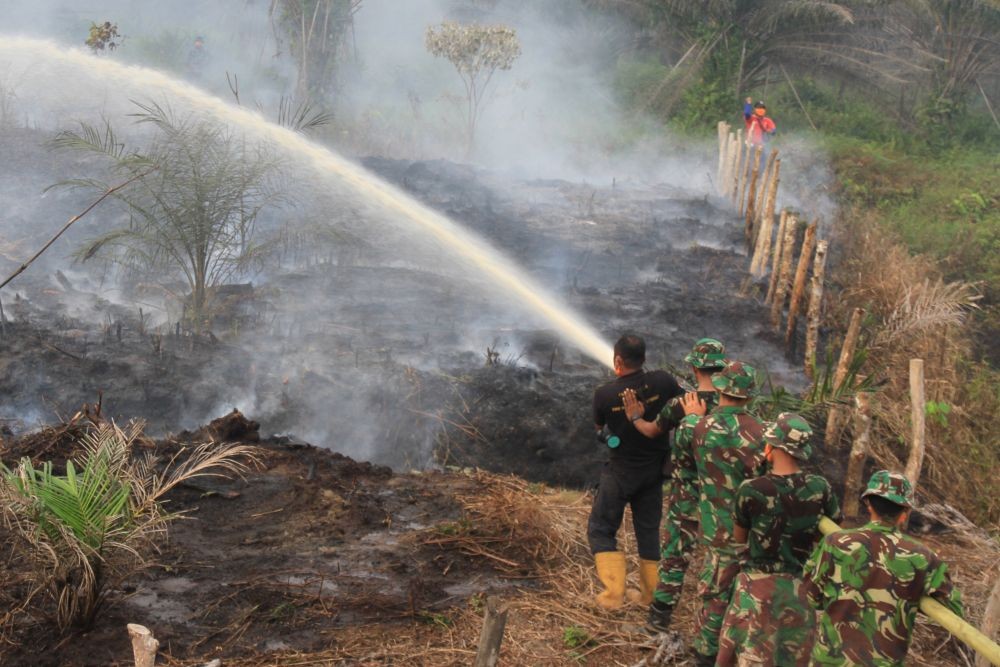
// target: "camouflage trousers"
[[715, 586], [680, 531], [769, 622]]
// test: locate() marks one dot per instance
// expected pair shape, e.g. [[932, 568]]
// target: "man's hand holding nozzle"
[[693, 405]]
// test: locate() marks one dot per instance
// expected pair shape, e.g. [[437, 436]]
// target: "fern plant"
[[81, 533]]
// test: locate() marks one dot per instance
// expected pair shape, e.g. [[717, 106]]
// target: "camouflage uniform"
[[868, 583], [680, 530], [769, 621], [727, 450]]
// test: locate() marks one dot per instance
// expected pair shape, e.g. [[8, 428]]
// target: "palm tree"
[[194, 215]]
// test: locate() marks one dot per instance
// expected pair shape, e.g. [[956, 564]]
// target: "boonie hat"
[[790, 433], [707, 353], [737, 380], [892, 486]]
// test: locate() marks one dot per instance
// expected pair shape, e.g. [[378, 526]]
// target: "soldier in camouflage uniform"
[[868, 582], [728, 448], [769, 620], [680, 529]]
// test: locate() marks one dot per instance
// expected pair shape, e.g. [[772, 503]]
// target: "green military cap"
[[736, 379], [707, 353], [892, 486], [791, 434]]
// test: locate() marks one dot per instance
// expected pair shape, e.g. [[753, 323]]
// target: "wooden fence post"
[[144, 645], [734, 176], [815, 305], [765, 186], [801, 271], [491, 636], [785, 273], [859, 452], [752, 198], [779, 248], [991, 621], [723, 129], [835, 418], [770, 201], [917, 416]]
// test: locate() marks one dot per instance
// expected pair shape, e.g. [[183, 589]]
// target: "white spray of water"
[[465, 245]]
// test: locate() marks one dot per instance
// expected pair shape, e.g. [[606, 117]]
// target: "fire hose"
[[943, 616]]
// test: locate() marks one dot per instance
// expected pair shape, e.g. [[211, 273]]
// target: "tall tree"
[[316, 32], [477, 52]]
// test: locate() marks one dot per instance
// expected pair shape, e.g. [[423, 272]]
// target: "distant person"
[[197, 58], [760, 128], [632, 476], [769, 621], [868, 582], [680, 529]]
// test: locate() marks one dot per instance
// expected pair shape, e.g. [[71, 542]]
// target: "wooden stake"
[[144, 645], [747, 151], [815, 305], [859, 452], [785, 277], [752, 198], [762, 251], [723, 133], [917, 416], [799, 287], [772, 187], [734, 173], [991, 621], [835, 418], [492, 634], [765, 185], [779, 247]]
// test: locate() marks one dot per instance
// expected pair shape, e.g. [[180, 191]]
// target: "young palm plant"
[[85, 531]]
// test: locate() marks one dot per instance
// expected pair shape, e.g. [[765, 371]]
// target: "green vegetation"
[[81, 533], [575, 637], [193, 207]]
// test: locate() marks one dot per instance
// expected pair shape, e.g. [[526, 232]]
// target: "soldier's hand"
[[634, 408], [693, 405]]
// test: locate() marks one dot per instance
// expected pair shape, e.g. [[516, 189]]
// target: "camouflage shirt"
[[781, 514], [727, 450], [868, 582], [684, 474]]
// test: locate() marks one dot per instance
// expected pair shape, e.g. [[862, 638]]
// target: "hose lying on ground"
[[944, 617]]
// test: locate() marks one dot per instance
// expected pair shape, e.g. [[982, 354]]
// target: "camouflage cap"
[[707, 353], [791, 434], [892, 486], [736, 379]]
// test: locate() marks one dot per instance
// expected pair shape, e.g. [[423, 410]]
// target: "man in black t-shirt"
[[632, 476]]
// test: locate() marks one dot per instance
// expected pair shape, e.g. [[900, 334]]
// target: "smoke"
[[349, 301]]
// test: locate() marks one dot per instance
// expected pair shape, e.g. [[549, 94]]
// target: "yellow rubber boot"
[[611, 572], [649, 577]]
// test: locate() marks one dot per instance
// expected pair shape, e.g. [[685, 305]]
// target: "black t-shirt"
[[653, 387]]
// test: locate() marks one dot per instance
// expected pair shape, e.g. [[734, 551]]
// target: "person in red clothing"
[[759, 126]]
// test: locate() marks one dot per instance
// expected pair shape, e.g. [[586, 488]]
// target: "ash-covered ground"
[[390, 364]]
